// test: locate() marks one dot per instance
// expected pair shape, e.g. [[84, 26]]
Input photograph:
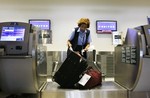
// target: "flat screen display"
[[12, 33], [42, 24], [106, 25]]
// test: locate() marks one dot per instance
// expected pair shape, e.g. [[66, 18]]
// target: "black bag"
[[69, 72]]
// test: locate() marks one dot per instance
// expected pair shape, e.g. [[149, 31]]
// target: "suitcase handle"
[[81, 58]]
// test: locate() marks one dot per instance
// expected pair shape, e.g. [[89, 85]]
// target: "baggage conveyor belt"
[[108, 89]]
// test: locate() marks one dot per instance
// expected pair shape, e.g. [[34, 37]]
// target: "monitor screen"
[[43, 24], [106, 25], [12, 33]]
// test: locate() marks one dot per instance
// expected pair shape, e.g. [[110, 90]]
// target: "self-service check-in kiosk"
[[22, 60], [132, 62]]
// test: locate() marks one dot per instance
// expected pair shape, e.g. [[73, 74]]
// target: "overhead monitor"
[[43, 24], [12, 33], [105, 26]]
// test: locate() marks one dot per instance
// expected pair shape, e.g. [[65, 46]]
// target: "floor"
[[49, 87], [6, 95], [108, 89]]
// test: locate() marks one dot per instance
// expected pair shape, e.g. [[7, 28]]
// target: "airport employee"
[[80, 38]]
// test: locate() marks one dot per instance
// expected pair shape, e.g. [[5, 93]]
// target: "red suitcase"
[[95, 78]]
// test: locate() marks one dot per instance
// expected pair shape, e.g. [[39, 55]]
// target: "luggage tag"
[[85, 78]]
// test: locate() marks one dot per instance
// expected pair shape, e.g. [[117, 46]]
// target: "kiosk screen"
[[12, 33]]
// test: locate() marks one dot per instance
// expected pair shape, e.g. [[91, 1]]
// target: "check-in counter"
[[23, 61], [132, 61]]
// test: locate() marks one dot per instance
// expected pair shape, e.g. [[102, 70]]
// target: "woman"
[[80, 38]]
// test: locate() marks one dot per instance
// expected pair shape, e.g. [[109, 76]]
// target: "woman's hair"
[[84, 21]]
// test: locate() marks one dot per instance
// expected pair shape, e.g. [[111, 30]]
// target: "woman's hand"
[[69, 44]]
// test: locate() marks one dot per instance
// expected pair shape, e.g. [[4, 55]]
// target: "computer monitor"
[[12, 33], [104, 26], [43, 24], [15, 37]]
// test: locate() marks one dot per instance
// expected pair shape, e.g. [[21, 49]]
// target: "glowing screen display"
[[106, 25], [42, 24], [12, 33]]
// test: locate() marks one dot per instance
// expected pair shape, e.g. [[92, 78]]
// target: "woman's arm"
[[87, 46], [69, 43]]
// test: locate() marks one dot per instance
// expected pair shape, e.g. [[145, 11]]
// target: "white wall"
[[64, 15]]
